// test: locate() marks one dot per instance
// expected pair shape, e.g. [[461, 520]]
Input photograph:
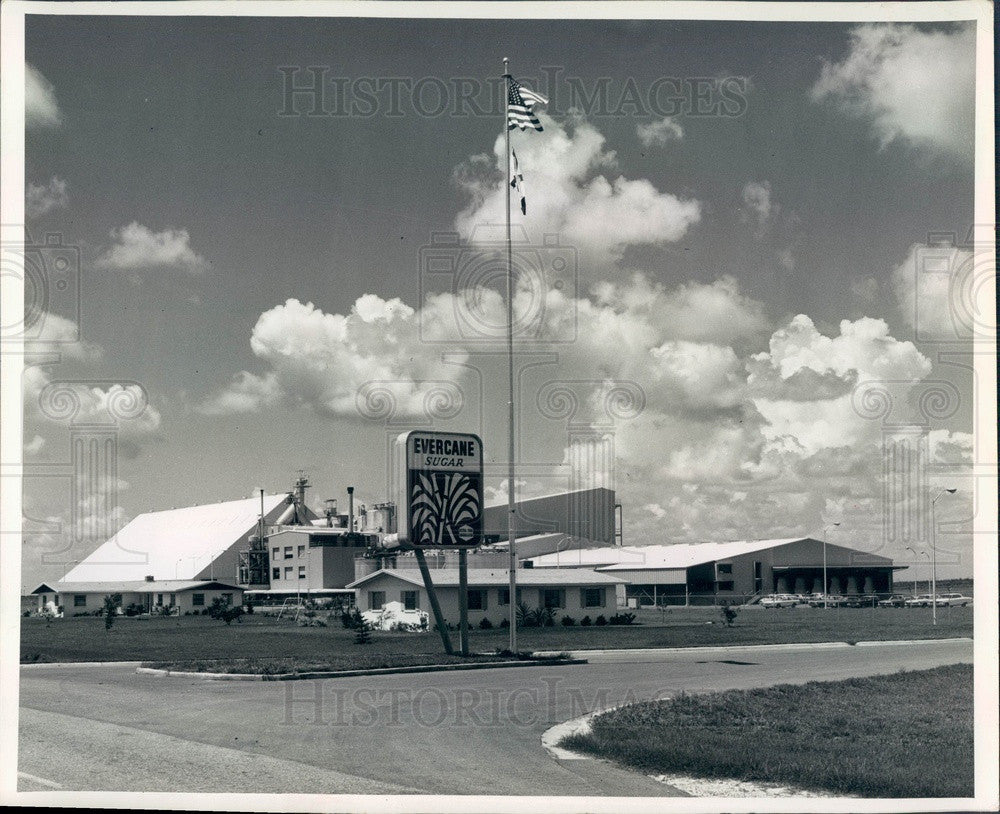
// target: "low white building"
[[186, 595], [574, 593]]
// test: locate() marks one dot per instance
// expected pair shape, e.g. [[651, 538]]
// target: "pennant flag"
[[520, 104], [517, 182]]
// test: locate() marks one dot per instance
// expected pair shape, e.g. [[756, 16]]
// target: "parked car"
[[861, 601], [779, 601], [831, 601], [894, 601], [952, 600], [919, 601]]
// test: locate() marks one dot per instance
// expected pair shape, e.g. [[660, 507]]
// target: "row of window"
[[289, 572], [80, 600], [276, 553], [477, 598]]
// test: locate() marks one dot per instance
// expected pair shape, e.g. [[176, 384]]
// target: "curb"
[[757, 647], [419, 668], [36, 664]]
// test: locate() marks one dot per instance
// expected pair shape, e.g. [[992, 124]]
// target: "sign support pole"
[[435, 605], [463, 600]]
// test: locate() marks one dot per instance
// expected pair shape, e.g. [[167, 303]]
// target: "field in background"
[[258, 636], [873, 737]]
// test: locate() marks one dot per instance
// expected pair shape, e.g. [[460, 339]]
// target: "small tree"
[[110, 610], [363, 633], [729, 613]]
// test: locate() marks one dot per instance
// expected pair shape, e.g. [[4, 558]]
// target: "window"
[[197, 599], [724, 568], [159, 599], [79, 600], [275, 573], [275, 552], [591, 597], [302, 551], [173, 599], [726, 586], [553, 598], [376, 599], [758, 577], [288, 572], [302, 572], [288, 552], [410, 600], [503, 596], [477, 599]]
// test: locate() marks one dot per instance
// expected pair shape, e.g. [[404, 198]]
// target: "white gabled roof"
[[485, 577], [140, 587], [177, 543], [678, 555]]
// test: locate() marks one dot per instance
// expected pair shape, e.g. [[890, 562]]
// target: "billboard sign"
[[439, 489]]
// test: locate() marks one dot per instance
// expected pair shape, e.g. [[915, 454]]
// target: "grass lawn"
[[903, 735], [264, 637]]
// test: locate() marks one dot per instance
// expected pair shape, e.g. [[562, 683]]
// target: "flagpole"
[[512, 604]]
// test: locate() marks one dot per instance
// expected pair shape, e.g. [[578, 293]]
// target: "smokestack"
[[300, 490], [350, 508]]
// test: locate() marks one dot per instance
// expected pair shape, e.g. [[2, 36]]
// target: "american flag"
[[520, 102]]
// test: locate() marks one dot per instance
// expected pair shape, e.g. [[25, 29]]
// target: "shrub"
[[485, 624], [622, 619], [525, 616], [505, 622], [600, 621], [568, 621]]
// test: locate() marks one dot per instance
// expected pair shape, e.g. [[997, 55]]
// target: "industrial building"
[[574, 593], [735, 571], [590, 515]]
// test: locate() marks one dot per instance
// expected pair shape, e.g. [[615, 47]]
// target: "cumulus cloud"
[[325, 361], [40, 106], [43, 198], [573, 193], [658, 133], [137, 247], [914, 86]]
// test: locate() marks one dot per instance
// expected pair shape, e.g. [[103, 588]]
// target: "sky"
[[739, 289]]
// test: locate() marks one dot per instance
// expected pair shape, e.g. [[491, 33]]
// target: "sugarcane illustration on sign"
[[445, 508]]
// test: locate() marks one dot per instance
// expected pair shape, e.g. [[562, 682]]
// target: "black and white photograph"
[[499, 406]]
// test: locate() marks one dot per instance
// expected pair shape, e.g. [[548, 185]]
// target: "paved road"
[[477, 732]]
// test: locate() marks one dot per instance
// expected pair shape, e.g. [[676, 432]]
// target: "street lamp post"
[[826, 591], [914, 553], [934, 554]]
